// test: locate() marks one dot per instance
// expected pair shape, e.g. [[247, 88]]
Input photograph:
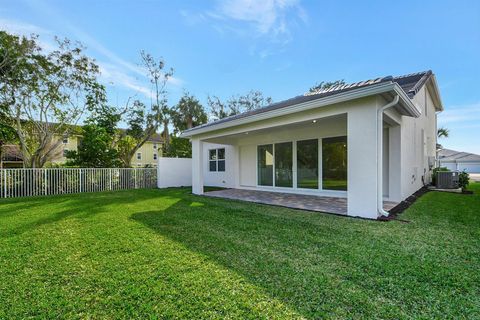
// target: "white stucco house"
[[459, 161], [367, 142]]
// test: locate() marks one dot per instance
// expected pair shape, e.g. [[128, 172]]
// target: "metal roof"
[[410, 83], [449, 155]]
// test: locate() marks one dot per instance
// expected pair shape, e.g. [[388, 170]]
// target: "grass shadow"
[[63, 207], [305, 262]]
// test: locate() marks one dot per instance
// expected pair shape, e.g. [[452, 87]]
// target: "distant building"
[[459, 161], [146, 156]]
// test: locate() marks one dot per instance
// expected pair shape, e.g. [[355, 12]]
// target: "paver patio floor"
[[296, 201]]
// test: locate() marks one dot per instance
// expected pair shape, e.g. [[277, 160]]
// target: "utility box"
[[447, 179]]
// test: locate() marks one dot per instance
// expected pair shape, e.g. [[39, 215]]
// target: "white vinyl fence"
[[16, 183]]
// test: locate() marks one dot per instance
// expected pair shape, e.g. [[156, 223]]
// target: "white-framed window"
[[155, 156], [216, 160], [65, 140], [139, 156], [65, 152], [155, 146]]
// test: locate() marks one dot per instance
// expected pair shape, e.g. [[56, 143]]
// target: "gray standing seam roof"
[[410, 83], [452, 155]]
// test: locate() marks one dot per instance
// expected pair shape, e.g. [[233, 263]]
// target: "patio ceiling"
[[313, 123]]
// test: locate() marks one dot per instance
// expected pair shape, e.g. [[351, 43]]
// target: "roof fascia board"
[[321, 102], [433, 86]]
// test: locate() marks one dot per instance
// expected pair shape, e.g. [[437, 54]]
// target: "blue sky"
[[281, 47]]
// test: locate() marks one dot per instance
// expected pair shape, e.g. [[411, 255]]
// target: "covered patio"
[[316, 203]]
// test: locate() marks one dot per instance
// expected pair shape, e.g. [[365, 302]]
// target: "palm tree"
[[442, 132]]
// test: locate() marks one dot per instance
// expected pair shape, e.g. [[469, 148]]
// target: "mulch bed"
[[404, 205]]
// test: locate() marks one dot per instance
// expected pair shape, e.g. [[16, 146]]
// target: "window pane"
[[221, 165], [283, 164], [334, 163], [265, 165], [213, 154], [307, 164], [221, 153], [213, 165]]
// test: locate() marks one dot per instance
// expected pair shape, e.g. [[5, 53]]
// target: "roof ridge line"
[[413, 74]]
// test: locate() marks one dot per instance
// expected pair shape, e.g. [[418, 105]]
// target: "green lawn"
[[168, 254]]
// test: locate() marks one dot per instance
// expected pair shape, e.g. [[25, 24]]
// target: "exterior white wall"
[[197, 166], [409, 141], [394, 164], [362, 161], [323, 128], [174, 172], [226, 179], [418, 142], [248, 165]]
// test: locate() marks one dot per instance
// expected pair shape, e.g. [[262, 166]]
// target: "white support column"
[[362, 160], [197, 166], [236, 166]]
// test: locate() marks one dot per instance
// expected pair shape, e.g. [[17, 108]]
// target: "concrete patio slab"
[[294, 201]]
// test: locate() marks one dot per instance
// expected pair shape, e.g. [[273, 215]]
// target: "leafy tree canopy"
[[443, 132], [237, 104], [42, 94], [188, 113], [325, 85]]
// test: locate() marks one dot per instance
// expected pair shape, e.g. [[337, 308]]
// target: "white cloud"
[[116, 71], [460, 114], [21, 28], [46, 38], [269, 17], [462, 121], [111, 74], [268, 22]]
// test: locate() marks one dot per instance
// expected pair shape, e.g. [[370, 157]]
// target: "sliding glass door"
[[284, 164], [275, 164], [265, 165], [307, 164], [334, 163]]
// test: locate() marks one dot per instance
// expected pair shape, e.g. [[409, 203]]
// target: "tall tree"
[[143, 121], [325, 85], [237, 104], [45, 92], [188, 113]]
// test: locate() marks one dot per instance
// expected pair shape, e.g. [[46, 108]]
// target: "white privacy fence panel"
[[16, 183], [174, 172]]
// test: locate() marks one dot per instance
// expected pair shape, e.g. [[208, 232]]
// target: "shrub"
[[435, 173], [463, 180]]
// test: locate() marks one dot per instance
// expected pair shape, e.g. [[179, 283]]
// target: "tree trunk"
[[166, 134]]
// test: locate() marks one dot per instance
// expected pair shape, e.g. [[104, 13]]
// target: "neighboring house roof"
[[447, 155], [11, 153], [410, 84], [156, 137], [76, 131]]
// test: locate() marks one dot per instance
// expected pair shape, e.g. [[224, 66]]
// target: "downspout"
[[380, 154]]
